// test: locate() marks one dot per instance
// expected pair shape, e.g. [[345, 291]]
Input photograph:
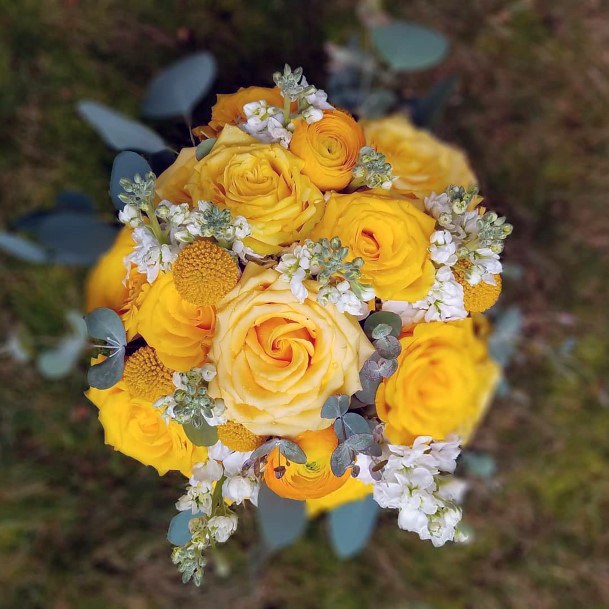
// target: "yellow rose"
[[279, 360], [136, 428], [422, 163], [263, 183], [329, 148], [311, 480], [352, 490], [179, 331], [104, 287], [392, 237], [171, 184], [443, 384]]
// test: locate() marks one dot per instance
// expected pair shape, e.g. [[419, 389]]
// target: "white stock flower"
[[443, 249], [149, 256], [222, 527], [130, 216], [207, 472]]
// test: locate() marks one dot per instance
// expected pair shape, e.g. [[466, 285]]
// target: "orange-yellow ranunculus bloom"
[[136, 428], [179, 331], [263, 183], [329, 148], [104, 286], [422, 163], [443, 385], [352, 490], [171, 184], [390, 234], [313, 479], [279, 360]]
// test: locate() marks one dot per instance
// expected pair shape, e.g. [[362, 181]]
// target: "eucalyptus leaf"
[[377, 103], [428, 110], [119, 131], [507, 331], [341, 459], [360, 441], [381, 331], [479, 464], [370, 370], [369, 388], [355, 424], [264, 449], [205, 435], [204, 148], [335, 406], [351, 526], [177, 89], [75, 201], [385, 318], [409, 46], [105, 324], [281, 521], [21, 248], [387, 367], [388, 347], [179, 533], [109, 372], [126, 165], [292, 452]]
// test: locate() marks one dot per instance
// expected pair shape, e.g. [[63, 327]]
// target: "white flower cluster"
[[169, 227], [271, 124], [412, 482]]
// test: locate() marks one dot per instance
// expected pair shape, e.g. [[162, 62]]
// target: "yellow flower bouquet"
[[290, 318]]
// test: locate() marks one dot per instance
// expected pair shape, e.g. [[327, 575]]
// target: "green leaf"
[[381, 331], [21, 248], [385, 318], [388, 347], [369, 388], [205, 435], [387, 367], [341, 459], [265, 449], [109, 372], [360, 441], [292, 452], [105, 324], [281, 521], [126, 165], [119, 131], [335, 406], [352, 423], [351, 526], [179, 533], [204, 148], [409, 46], [177, 89]]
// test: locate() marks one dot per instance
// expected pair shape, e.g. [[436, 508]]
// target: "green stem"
[[354, 185], [155, 226], [287, 104], [216, 498]]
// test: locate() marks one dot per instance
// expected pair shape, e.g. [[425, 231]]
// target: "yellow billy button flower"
[[311, 480], [146, 377], [204, 272], [480, 297], [237, 437]]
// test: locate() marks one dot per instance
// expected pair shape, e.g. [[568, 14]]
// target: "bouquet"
[[291, 318]]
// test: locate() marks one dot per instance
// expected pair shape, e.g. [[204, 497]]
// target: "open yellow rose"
[[179, 331], [390, 234], [352, 490], [422, 163], [443, 384], [311, 480], [279, 360], [263, 183], [329, 148], [136, 428], [171, 184]]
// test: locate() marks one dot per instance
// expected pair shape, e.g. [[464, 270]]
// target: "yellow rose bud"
[[279, 360], [179, 331], [443, 384], [352, 490], [311, 480], [263, 183], [135, 427], [329, 148], [171, 184], [422, 163], [391, 236]]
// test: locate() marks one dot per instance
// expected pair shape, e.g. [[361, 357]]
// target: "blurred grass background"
[[83, 527]]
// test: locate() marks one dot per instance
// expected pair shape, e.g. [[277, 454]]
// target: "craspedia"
[[146, 377], [480, 297], [204, 272], [236, 437]]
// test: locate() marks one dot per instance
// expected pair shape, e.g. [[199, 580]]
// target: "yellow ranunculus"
[[104, 286], [179, 331], [352, 490], [313, 479], [263, 183], [443, 384], [171, 184], [422, 163], [136, 428], [278, 360], [329, 148], [392, 237]]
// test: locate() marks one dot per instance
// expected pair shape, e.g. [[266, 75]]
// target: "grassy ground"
[[81, 527]]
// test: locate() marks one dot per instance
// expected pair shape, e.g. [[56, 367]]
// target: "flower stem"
[[287, 104]]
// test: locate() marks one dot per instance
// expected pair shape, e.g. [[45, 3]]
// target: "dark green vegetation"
[[82, 527]]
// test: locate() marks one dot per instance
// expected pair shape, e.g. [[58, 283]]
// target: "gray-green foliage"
[[105, 325]]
